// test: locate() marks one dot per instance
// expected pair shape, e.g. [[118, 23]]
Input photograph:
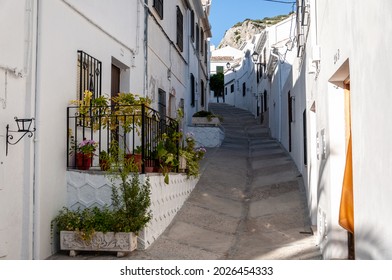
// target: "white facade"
[[246, 83], [39, 76], [338, 76]]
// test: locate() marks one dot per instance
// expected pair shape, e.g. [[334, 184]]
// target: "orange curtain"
[[346, 214]]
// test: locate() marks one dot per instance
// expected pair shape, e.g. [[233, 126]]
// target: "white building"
[[246, 71], [123, 46], [338, 90]]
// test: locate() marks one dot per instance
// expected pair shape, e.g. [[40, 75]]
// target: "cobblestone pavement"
[[248, 204]]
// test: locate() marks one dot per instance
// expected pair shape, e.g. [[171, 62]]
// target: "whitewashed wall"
[[338, 28], [17, 79], [66, 27]]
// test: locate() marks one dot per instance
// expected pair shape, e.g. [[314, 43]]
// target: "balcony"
[[134, 130]]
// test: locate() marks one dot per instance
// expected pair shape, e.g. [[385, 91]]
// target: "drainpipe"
[[145, 82], [280, 97], [36, 167]]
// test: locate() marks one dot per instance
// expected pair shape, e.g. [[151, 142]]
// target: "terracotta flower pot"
[[137, 159], [83, 161]]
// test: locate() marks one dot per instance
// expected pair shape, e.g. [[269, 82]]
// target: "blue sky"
[[225, 13]]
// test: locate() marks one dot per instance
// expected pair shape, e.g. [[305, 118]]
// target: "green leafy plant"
[[192, 155], [207, 114]]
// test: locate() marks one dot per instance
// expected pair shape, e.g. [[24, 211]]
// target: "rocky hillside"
[[245, 30]]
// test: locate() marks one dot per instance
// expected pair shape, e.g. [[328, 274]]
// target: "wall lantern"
[[255, 57], [24, 126], [228, 65]]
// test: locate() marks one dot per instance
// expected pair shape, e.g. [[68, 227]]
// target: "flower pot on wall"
[[137, 159], [83, 161]]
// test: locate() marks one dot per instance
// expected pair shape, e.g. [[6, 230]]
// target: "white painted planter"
[[120, 242], [204, 121]]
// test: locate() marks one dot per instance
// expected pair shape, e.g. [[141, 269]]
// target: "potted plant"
[[206, 118], [113, 228], [104, 161], [93, 112], [84, 153]]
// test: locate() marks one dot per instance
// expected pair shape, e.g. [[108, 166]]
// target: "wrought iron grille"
[[89, 75], [134, 127]]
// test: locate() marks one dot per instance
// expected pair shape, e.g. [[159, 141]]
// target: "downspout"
[[36, 167], [145, 82], [280, 98]]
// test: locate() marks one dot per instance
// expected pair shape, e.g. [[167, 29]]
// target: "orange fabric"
[[346, 214]]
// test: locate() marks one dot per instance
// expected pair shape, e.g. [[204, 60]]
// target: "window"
[[202, 93], [219, 69], [162, 103], [193, 26], [197, 37], [201, 40], [206, 50], [193, 94], [232, 88], [225, 90], [180, 29], [243, 89], [89, 75], [158, 5]]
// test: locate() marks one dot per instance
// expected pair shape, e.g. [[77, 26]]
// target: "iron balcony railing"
[[134, 128]]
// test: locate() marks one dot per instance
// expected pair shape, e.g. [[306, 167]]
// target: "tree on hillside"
[[217, 82]]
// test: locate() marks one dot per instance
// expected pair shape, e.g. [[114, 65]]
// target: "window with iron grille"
[[193, 94], [89, 75], [180, 29], [193, 26], [158, 6]]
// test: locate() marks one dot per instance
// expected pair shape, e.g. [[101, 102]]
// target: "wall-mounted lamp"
[[24, 126], [255, 57]]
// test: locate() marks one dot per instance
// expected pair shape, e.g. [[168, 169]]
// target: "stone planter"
[[204, 121], [120, 242]]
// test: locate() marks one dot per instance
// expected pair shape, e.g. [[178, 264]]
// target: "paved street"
[[248, 204]]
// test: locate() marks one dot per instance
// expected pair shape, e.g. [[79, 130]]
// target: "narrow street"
[[248, 204]]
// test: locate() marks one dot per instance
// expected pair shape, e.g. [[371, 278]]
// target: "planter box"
[[204, 121], [120, 242]]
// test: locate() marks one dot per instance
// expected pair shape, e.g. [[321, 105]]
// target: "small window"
[[232, 88], [201, 40], [162, 103], [89, 75], [243, 89], [197, 37], [180, 29], [193, 93], [193, 26], [202, 93], [158, 6]]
